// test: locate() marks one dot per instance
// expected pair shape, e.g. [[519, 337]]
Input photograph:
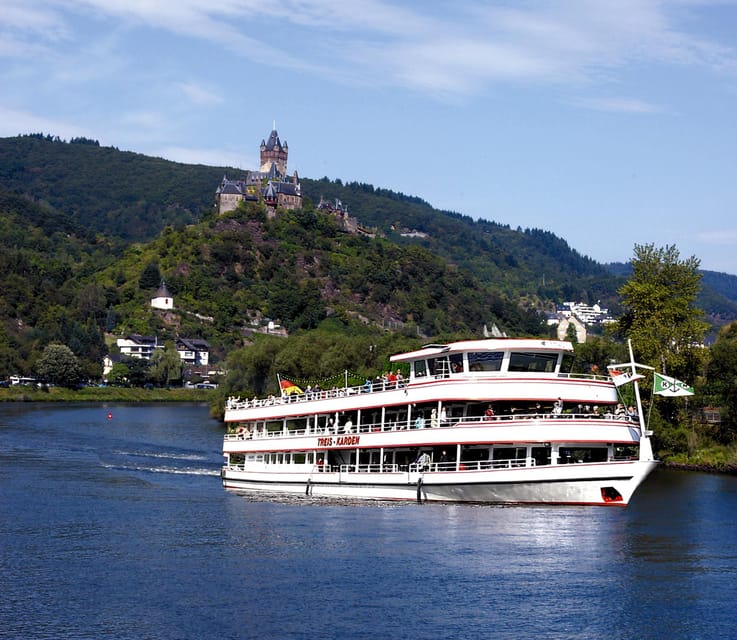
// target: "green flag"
[[667, 386]]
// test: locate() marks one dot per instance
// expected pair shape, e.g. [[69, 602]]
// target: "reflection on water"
[[120, 528]]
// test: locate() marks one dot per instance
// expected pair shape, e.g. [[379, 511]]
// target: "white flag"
[[620, 377]]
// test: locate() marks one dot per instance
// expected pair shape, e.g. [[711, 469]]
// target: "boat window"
[[296, 424], [432, 366], [420, 369], [541, 455], [298, 458], [566, 365], [485, 360], [533, 362], [274, 425], [569, 455], [625, 452], [396, 418], [442, 367], [509, 453], [456, 362]]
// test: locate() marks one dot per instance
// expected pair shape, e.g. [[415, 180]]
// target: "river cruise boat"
[[488, 421]]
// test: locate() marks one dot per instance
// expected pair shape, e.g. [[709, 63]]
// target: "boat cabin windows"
[[626, 452], [420, 368], [485, 360], [571, 455], [504, 457], [533, 362], [540, 455], [566, 364], [456, 362]]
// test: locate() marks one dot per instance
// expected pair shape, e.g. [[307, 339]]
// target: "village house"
[[192, 351]]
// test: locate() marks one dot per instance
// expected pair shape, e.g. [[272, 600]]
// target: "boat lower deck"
[[610, 483]]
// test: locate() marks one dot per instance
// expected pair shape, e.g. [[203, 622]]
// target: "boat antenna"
[[646, 447]]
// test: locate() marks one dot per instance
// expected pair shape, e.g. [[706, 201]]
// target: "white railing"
[[233, 403], [320, 394], [498, 420]]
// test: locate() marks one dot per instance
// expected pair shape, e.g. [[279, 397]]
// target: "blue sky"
[[607, 123]]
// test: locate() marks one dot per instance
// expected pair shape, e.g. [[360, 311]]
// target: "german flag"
[[288, 388]]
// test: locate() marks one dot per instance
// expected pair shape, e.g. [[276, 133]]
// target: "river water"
[[114, 524]]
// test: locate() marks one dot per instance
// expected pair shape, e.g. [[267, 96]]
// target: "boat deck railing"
[[464, 465], [235, 403], [501, 420]]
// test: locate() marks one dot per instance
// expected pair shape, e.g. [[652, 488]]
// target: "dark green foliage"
[[318, 357], [721, 380], [138, 371], [117, 193], [531, 260], [70, 210], [661, 317], [58, 365], [150, 278]]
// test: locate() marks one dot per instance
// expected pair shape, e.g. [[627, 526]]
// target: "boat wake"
[[165, 455], [187, 471], [180, 463]]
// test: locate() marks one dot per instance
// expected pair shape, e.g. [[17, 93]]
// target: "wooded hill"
[[87, 231]]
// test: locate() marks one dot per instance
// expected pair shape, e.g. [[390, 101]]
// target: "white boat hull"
[[562, 484]]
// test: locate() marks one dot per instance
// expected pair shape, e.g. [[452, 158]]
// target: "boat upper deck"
[[492, 369]]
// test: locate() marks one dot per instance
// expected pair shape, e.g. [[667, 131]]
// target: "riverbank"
[[728, 469], [23, 393]]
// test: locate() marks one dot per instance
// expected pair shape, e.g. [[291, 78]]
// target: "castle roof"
[[230, 186], [287, 188], [274, 142], [270, 191], [274, 172]]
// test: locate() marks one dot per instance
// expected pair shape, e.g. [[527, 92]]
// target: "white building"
[[587, 314], [162, 298], [138, 346], [193, 352]]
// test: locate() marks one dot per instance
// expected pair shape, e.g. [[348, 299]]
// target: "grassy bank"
[[710, 457], [106, 394]]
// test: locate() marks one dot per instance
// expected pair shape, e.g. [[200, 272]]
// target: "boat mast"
[[646, 447]]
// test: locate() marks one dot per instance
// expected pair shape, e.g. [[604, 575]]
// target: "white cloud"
[[199, 94], [213, 157], [618, 105], [15, 122], [726, 237], [428, 47]]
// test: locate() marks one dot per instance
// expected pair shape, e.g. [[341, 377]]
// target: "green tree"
[[150, 277], [721, 379], [666, 329], [59, 365], [166, 366], [118, 374], [661, 319], [138, 371]]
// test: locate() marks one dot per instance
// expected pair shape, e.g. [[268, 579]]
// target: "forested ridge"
[[89, 231]]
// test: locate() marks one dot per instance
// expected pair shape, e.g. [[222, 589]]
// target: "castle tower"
[[273, 152]]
